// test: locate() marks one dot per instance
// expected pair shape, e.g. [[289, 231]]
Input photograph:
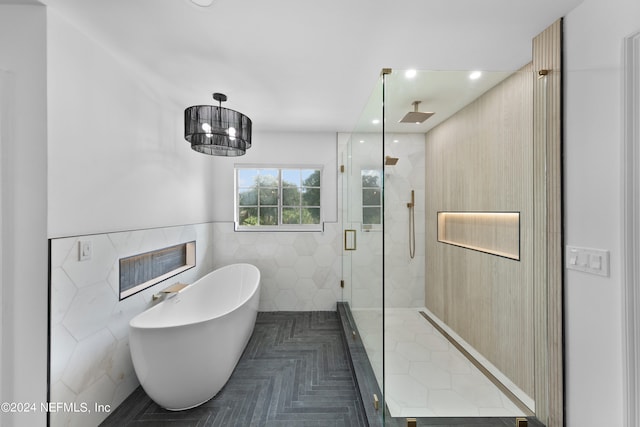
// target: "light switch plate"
[[85, 250], [594, 261]]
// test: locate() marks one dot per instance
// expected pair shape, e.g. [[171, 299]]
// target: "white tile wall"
[[404, 277], [90, 359], [300, 271]]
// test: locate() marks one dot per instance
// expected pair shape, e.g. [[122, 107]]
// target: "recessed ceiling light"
[[202, 3], [475, 75], [410, 73], [375, 121]]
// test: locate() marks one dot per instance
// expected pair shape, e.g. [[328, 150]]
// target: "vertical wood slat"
[[548, 293], [481, 160]]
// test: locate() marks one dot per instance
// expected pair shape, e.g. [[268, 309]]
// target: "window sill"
[[280, 228]]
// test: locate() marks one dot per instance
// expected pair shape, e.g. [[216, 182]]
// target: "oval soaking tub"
[[185, 348]]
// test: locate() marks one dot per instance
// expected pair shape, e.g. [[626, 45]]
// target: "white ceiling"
[[298, 65]]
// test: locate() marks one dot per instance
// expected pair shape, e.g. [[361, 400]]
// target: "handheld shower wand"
[[413, 200], [412, 225]]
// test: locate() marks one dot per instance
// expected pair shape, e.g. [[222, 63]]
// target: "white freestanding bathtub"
[[185, 348]]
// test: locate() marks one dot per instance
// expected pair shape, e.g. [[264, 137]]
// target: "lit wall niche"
[[496, 233], [140, 271]]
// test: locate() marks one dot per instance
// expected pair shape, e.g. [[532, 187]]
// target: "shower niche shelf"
[[495, 233]]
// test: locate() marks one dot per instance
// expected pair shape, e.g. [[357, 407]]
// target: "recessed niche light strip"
[[141, 271], [495, 233]]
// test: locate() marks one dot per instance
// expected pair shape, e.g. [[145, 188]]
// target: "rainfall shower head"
[[415, 116], [390, 161]]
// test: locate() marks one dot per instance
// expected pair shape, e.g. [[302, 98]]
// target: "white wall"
[[117, 156], [24, 211], [594, 33], [272, 148]]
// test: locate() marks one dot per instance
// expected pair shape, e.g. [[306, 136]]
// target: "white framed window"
[[278, 198]]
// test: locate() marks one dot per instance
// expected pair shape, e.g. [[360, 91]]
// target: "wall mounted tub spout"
[[171, 290]]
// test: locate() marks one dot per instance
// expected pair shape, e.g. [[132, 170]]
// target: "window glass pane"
[[268, 196], [291, 196], [247, 177], [371, 197], [310, 177], [291, 215], [371, 216], [371, 178], [268, 178], [290, 178], [248, 216], [311, 215], [269, 216], [311, 197], [248, 197]]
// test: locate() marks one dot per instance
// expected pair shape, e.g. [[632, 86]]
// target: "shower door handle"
[[350, 240]]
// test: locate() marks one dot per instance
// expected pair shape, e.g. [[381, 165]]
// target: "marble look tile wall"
[[362, 269], [404, 281], [299, 270], [404, 276], [90, 359]]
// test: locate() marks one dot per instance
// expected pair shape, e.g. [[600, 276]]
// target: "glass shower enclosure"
[[382, 184], [389, 176]]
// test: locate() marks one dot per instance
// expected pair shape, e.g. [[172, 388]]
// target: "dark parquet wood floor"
[[295, 371]]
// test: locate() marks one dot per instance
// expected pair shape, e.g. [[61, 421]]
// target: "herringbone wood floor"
[[295, 371]]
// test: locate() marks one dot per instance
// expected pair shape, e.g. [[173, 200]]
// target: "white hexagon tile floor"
[[425, 374]]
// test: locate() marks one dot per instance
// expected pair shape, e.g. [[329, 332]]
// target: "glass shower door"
[[362, 211]]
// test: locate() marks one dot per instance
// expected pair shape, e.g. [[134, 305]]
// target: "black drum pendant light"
[[217, 131]]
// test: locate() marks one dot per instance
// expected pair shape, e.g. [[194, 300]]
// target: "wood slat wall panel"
[[481, 160], [547, 55], [470, 291]]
